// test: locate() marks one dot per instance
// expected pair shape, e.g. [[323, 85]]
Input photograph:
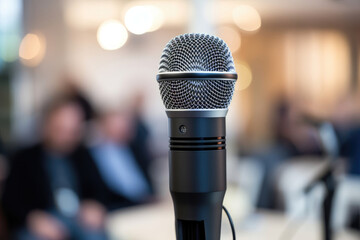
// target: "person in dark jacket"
[[47, 195], [122, 169]]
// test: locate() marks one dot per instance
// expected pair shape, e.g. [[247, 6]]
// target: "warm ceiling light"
[[32, 49], [142, 19], [231, 36], [112, 35], [247, 18]]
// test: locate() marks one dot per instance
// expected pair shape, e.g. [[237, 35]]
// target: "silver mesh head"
[[196, 53]]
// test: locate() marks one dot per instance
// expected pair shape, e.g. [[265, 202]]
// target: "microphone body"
[[196, 81], [197, 172]]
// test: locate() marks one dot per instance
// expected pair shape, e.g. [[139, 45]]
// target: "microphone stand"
[[327, 178], [330, 185]]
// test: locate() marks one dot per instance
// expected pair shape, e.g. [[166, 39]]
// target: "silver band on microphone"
[[207, 113], [199, 75]]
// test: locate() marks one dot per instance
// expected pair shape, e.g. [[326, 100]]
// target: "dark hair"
[[57, 103]]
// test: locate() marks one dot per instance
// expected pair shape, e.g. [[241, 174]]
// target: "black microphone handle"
[[197, 173]]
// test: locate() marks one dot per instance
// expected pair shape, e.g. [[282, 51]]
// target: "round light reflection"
[[32, 49], [143, 19], [112, 35], [247, 18]]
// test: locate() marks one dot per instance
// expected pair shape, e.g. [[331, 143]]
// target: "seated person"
[[46, 195], [122, 167]]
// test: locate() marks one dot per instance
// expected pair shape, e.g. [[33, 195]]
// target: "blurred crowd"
[[63, 186], [304, 136], [89, 162]]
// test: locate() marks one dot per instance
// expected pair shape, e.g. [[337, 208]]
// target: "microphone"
[[196, 81]]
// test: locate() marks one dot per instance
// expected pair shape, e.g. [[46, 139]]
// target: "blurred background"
[[83, 131]]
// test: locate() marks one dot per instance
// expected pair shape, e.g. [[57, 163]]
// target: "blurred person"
[[346, 119], [122, 169], [46, 195], [293, 136], [140, 139], [70, 87]]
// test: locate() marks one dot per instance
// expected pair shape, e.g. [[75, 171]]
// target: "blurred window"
[[10, 26], [317, 67]]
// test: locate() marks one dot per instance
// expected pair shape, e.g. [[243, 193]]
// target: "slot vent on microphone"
[[200, 144]]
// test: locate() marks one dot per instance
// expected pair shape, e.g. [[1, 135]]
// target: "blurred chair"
[[299, 181], [293, 177], [347, 198], [245, 176], [250, 177]]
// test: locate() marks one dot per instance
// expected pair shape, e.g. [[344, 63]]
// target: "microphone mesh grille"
[[192, 53]]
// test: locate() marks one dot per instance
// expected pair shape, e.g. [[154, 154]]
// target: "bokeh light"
[[244, 76], [32, 49], [247, 18], [112, 35], [143, 19], [231, 36]]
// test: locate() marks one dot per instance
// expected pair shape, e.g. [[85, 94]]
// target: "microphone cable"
[[231, 222]]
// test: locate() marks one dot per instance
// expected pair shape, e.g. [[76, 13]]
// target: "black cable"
[[231, 222]]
